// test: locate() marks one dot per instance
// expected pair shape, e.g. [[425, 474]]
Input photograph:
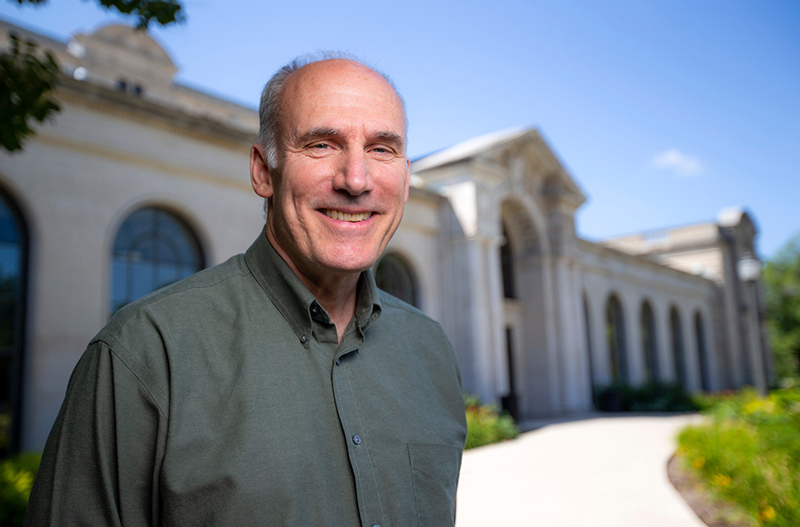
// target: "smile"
[[346, 216]]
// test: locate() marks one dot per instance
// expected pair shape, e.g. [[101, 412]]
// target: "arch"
[[678, 351], [152, 248], [527, 314], [523, 226], [14, 254], [615, 333], [702, 352], [649, 342], [395, 276]]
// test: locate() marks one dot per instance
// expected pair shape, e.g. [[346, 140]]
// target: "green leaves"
[[782, 288], [27, 77], [164, 12]]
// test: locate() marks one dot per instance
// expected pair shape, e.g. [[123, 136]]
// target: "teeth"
[[346, 216]]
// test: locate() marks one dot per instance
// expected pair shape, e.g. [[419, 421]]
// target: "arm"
[[100, 465]]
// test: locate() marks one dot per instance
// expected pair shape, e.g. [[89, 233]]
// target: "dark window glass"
[[649, 342], [677, 347], [394, 276], [615, 333], [702, 353], [152, 249], [507, 266], [13, 254]]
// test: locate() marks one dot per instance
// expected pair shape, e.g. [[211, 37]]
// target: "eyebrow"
[[392, 138], [317, 133]]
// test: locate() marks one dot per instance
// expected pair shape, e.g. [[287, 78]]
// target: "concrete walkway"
[[596, 472]]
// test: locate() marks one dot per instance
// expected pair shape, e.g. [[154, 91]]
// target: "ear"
[[408, 177], [260, 177]]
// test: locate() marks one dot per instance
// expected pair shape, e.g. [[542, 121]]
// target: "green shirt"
[[226, 399]]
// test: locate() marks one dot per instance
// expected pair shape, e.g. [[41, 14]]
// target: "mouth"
[[346, 216]]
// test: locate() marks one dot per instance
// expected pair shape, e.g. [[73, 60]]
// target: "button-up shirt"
[[226, 399]]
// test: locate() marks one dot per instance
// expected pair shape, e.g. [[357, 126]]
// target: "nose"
[[354, 175]]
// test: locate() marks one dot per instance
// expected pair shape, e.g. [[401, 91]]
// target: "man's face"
[[339, 192]]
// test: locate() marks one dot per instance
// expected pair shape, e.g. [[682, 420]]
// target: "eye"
[[320, 146], [382, 152]]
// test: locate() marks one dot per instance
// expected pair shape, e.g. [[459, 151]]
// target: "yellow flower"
[[721, 480], [698, 463], [767, 514]]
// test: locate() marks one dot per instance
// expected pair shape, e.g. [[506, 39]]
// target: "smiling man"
[[281, 387]]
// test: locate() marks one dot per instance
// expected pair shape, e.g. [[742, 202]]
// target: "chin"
[[352, 261]]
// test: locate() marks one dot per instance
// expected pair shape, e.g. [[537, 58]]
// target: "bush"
[[16, 480], [749, 452], [485, 425], [652, 397]]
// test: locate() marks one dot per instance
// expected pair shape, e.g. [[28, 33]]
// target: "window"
[[152, 249], [615, 333], [700, 335], [13, 263], [507, 266], [649, 342], [589, 352], [395, 277], [677, 347]]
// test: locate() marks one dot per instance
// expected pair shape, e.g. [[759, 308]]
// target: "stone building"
[[140, 181]]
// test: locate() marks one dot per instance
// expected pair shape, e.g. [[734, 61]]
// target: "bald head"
[[310, 72]]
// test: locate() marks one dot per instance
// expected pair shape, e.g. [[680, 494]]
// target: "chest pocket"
[[435, 474]]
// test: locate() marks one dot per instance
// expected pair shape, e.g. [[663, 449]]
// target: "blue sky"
[[663, 112]]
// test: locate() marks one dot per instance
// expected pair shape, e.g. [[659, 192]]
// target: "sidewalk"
[[598, 472]]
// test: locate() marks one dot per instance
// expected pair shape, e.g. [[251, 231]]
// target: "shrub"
[[485, 425], [16, 480], [748, 452], [652, 397]]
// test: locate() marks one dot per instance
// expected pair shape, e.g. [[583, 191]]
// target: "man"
[[281, 387]]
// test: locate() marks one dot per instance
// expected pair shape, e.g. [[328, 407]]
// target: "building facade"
[[140, 181]]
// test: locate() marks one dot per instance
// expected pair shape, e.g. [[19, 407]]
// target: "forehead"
[[322, 93]]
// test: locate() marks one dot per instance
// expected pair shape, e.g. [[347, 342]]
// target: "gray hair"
[[269, 112]]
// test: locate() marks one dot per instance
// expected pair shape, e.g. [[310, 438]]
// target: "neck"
[[336, 292]]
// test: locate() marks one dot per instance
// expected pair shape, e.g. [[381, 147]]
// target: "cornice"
[[152, 113]]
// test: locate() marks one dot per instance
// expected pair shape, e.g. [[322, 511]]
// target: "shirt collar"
[[292, 297]]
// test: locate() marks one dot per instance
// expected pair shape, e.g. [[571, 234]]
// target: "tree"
[[28, 75], [782, 285]]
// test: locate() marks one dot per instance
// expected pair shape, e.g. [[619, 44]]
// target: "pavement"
[[591, 472]]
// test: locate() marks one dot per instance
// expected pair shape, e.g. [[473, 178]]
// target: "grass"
[[485, 425], [748, 452]]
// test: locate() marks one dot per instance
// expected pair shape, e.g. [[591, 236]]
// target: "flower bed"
[[748, 452], [485, 425]]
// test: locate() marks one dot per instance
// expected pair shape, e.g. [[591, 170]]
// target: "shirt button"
[[303, 339], [314, 309], [356, 439]]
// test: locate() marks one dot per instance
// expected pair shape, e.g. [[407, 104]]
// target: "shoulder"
[[186, 296], [398, 311], [206, 298]]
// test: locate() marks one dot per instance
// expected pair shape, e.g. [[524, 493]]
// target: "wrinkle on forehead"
[[340, 78]]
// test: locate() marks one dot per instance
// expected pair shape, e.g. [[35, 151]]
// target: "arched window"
[[13, 267], [700, 335], [507, 266], [677, 347], [395, 277], [649, 342], [153, 248], [615, 333]]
